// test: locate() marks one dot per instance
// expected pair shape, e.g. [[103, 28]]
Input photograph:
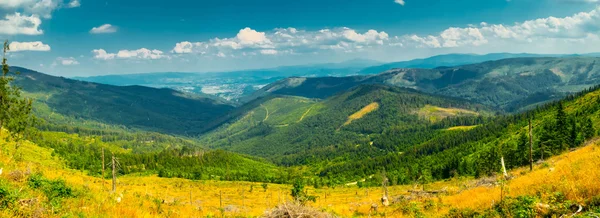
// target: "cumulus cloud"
[[139, 54], [576, 27], [401, 2], [284, 41], [250, 37], [28, 46], [101, 54], [14, 24], [106, 28], [186, 47], [43, 8]]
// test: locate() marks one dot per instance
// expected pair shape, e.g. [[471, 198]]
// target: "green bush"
[[8, 196], [55, 190], [522, 206], [462, 213]]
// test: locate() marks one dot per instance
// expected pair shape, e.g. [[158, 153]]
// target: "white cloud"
[[139, 54], [106, 28], [43, 8], [65, 61], [185, 47], [28, 46], [284, 40], [14, 24], [101, 54], [142, 53], [249, 36], [371, 36], [401, 2], [545, 35], [576, 27], [74, 4]]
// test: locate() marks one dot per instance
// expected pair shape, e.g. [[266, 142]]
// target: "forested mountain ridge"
[[508, 84], [447, 60], [297, 131], [162, 110]]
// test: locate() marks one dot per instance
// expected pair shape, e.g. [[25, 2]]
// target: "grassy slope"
[[574, 174], [151, 109]]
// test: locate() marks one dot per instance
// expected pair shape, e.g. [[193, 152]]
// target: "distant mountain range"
[[239, 84], [230, 85], [508, 84]]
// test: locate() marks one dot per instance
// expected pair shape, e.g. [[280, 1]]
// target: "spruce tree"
[[15, 112], [561, 129]]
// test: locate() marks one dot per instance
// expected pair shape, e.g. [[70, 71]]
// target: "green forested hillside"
[[509, 84], [557, 127], [348, 126], [162, 110]]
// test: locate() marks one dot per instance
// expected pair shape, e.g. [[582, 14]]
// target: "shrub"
[[55, 190], [522, 206], [8, 196], [300, 195], [462, 213]]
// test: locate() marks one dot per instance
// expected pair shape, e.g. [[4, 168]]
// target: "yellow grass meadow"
[[362, 112], [575, 174], [434, 113]]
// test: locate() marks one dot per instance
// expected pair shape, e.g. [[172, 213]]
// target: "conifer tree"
[[15, 112], [561, 129]]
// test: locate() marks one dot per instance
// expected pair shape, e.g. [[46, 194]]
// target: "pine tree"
[[561, 129], [587, 129], [15, 112], [522, 153]]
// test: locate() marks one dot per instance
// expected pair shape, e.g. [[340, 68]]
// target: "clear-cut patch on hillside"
[[362, 112], [461, 128], [434, 113]]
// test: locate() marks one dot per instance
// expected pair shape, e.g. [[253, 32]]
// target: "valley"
[[337, 139]]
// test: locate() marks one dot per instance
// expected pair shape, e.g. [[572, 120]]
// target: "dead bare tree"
[[103, 168], [115, 166], [530, 146], [384, 200]]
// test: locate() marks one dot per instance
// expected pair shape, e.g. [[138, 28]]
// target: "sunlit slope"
[[294, 130], [560, 182], [136, 196]]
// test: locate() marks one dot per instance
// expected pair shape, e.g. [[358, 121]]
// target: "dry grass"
[[295, 210], [575, 174], [464, 128], [362, 112], [434, 113]]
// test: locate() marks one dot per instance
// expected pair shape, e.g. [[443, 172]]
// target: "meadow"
[[572, 176]]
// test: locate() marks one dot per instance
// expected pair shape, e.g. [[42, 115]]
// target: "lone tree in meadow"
[[300, 195]]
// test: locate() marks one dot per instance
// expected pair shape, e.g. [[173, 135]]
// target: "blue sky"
[[94, 37]]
